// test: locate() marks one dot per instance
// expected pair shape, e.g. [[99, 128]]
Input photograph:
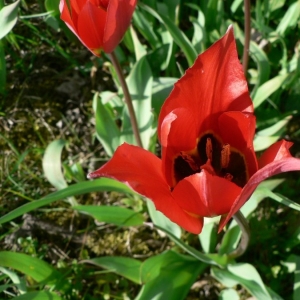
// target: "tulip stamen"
[[225, 156], [209, 149]]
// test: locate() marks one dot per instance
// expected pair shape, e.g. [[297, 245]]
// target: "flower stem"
[[242, 222], [128, 99], [247, 30]]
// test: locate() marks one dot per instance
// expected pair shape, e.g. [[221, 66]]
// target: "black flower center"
[[217, 158]]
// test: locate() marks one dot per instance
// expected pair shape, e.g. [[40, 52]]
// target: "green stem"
[[244, 226], [247, 29], [128, 99]]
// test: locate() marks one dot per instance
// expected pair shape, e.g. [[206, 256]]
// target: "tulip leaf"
[[102, 184], [45, 295], [34, 267], [139, 49], [212, 259], [2, 69], [117, 215], [107, 130], [283, 200], [52, 6], [268, 136], [162, 221], [168, 276], [290, 18], [19, 282], [124, 266], [245, 275], [268, 88], [208, 237], [140, 86], [8, 18], [179, 37], [52, 164], [229, 294]]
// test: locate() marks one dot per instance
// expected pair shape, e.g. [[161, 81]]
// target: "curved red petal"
[[277, 151], [214, 84], [286, 163], [66, 16], [178, 134], [205, 195], [90, 27], [119, 14], [238, 129], [141, 170]]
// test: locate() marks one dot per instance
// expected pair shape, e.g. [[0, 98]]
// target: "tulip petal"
[[141, 170], [205, 195], [66, 16], [119, 14], [276, 160], [90, 26], [238, 129], [214, 84]]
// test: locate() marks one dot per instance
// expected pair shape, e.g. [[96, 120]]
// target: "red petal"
[[276, 160], [119, 14], [205, 195], [214, 84], [141, 170], [90, 27], [178, 134], [238, 129], [66, 16], [277, 151]]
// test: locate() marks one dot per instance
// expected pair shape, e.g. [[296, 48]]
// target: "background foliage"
[[62, 115]]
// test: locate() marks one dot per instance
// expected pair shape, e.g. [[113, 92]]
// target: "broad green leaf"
[[140, 86], [268, 88], [290, 18], [212, 259], [208, 237], [162, 221], [124, 266], [98, 185], [168, 276], [39, 295], [117, 215], [161, 88], [235, 4], [293, 265], [179, 37], [8, 18], [139, 49], [268, 136], [244, 274], [2, 69], [38, 269], [19, 283], [229, 294], [283, 200], [52, 164], [107, 130], [52, 6], [145, 28]]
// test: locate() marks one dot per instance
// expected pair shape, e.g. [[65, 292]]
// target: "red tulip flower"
[[99, 24], [206, 128]]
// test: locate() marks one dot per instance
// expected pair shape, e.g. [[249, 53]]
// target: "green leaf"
[[8, 18], [117, 215], [290, 18], [162, 221], [208, 237], [40, 295], [139, 49], [102, 184], [283, 200], [268, 136], [168, 276], [212, 259], [19, 283], [124, 266], [244, 274], [2, 69], [229, 294], [268, 88], [52, 164], [140, 86], [107, 130], [38, 269], [179, 37], [52, 6]]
